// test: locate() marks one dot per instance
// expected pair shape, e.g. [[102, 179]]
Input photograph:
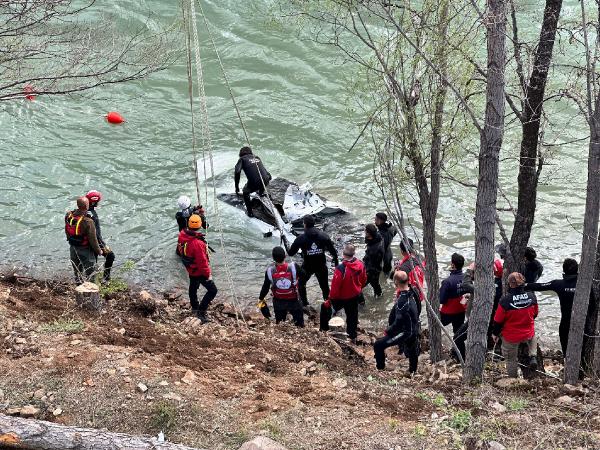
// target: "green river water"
[[292, 96]]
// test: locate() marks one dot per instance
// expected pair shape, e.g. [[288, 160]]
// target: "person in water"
[[94, 198], [186, 209], [193, 251], [313, 244], [373, 258], [257, 176], [532, 268], [387, 231]]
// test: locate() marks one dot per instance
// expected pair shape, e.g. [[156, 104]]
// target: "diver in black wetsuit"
[[258, 177]]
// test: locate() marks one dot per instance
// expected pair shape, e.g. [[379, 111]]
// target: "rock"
[[39, 394], [89, 382], [75, 342], [142, 387], [57, 412], [127, 379], [262, 443], [303, 371], [13, 411], [20, 341], [189, 377], [111, 371], [29, 411], [565, 400], [511, 383], [493, 445], [576, 391], [172, 396], [498, 407], [340, 383], [163, 383], [145, 296]]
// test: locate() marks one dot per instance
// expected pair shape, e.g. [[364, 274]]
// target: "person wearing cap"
[[282, 279], [83, 241], [257, 176], [532, 269], [388, 232], [193, 251], [403, 329], [94, 198], [373, 259], [313, 244], [413, 266], [452, 304], [515, 322], [186, 209], [347, 284]]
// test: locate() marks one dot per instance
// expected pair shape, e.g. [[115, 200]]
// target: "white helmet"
[[184, 202]]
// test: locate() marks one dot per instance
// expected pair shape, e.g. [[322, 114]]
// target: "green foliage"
[[460, 420], [63, 326], [163, 417], [516, 404], [128, 265], [113, 286], [272, 428], [439, 400], [422, 396], [420, 430]]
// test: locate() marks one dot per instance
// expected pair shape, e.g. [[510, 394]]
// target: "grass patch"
[[420, 430], [272, 428], [516, 404], [63, 326], [114, 286], [460, 420], [439, 400], [164, 417]]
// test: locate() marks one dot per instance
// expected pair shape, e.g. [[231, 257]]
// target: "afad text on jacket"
[[515, 316]]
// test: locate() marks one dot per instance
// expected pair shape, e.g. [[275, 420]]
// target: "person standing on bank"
[[404, 325], [83, 242], [387, 231], [515, 322], [373, 258], [257, 176], [349, 278], [94, 198], [282, 278], [452, 301], [193, 251], [186, 209], [313, 244]]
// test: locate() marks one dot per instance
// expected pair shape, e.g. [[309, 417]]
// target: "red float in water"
[[28, 90], [115, 117]]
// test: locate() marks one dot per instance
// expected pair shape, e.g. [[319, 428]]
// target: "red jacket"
[[193, 251], [349, 278], [515, 316], [416, 276]]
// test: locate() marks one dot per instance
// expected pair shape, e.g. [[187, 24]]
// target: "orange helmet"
[[194, 222]]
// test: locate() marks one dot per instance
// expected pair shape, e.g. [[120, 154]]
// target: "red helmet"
[[94, 196], [498, 268]]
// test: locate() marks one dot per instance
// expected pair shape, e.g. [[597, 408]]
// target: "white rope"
[[207, 143]]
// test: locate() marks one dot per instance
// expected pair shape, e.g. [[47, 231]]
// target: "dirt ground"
[[141, 366]]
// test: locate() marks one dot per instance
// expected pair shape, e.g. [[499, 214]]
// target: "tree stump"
[[87, 296]]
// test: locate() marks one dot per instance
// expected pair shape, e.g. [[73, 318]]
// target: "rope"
[[207, 143]]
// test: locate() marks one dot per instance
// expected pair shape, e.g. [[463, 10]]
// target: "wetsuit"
[[373, 260], [256, 175], [532, 271], [313, 243], [109, 255], [183, 216], [387, 231]]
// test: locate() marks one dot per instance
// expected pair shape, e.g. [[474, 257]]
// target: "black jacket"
[[313, 243], [565, 289], [183, 216], [248, 164], [374, 254], [387, 231], [532, 271], [404, 321], [94, 216]]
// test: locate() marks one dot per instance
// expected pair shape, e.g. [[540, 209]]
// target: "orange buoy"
[[29, 92], [114, 117]]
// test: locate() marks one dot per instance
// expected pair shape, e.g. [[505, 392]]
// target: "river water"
[[292, 96]]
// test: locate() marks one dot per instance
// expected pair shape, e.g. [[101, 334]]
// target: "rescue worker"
[[388, 232], [81, 236], [403, 329], [94, 198], [515, 322], [257, 176], [349, 278], [413, 266], [532, 268], [186, 209], [193, 250], [313, 244], [282, 278], [373, 258], [452, 304]]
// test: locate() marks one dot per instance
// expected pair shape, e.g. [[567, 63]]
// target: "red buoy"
[[115, 117], [28, 90]]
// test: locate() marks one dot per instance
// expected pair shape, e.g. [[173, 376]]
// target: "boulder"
[[511, 383], [262, 443], [565, 400], [29, 411], [493, 445]]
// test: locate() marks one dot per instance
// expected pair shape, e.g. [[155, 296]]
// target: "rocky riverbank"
[[142, 366]]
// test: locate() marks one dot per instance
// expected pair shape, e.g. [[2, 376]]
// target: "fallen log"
[[16, 432]]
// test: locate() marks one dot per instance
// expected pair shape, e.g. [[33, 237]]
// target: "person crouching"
[[349, 278], [514, 321], [282, 278], [404, 325], [193, 250]]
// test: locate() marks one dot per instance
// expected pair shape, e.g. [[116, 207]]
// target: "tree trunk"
[[532, 106], [433, 288], [593, 347], [87, 296], [487, 190], [16, 432], [588, 252]]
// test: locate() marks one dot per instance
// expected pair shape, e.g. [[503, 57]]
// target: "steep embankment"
[[141, 367]]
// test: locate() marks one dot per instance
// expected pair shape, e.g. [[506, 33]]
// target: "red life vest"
[[73, 230], [283, 281]]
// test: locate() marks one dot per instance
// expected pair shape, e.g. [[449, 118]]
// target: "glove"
[[264, 309], [327, 304], [200, 210]]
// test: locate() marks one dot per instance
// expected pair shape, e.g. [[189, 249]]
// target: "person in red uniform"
[[282, 278], [453, 305], [413, 266], [515, 322], [193, 251], [349, 279]]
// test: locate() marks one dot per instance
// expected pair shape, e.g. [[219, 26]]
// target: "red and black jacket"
[[515, 316], [349, 278], [74, 229], [193, 251]]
